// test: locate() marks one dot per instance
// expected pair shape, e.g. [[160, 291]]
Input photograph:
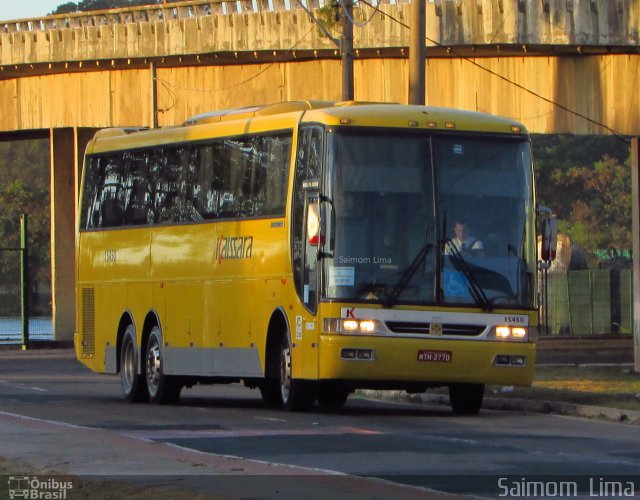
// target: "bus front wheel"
[[162, 389], [466, 399], [333, 394], [133, 383], [295, 394]]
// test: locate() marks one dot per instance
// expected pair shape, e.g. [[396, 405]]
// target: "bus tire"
[[162, 388], [466, 399], [270, 392], [333, 394], [295, 394], [133, 384]]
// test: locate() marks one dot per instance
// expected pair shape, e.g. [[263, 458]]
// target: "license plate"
[[435, 356]]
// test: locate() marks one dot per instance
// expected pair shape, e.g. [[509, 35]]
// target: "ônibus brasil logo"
[[34, 488]]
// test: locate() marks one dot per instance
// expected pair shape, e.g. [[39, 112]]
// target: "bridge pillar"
[[635, 250], [67, 148]]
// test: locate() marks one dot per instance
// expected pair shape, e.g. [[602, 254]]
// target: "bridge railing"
[[578, 22], [164, 12]]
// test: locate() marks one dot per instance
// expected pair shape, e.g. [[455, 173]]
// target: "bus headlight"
[[514, 333], [353, 326], [503, 332], [519, 332]]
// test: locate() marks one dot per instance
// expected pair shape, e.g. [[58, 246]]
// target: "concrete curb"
[[515, 404], [39, 345]]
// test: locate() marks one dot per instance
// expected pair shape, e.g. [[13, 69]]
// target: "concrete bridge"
[[556, 65]]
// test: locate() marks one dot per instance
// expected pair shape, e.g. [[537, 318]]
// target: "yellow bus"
[[309, 249]]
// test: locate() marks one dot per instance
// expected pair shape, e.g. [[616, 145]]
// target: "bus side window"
[[138, 209], [112, 207], [273, 192], [92, 195]]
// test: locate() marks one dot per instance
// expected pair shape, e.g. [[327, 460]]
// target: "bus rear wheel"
[[162, 388], [466, 399], [295, 394], [133, 383]]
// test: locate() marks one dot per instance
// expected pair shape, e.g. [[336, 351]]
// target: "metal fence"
[[587, 302], [25, 310]]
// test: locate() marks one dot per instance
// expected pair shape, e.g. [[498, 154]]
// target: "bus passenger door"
[[312, 244], [304, 327], [305, 236]]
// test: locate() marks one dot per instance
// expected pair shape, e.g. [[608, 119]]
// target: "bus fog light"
[[517, 360], [509, 360], [502, 359], [365, 354], [358, 354], [348, 354]]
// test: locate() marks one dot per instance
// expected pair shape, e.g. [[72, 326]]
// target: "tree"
[[90, 5], [24, 188], [67, 8], [586, 181]]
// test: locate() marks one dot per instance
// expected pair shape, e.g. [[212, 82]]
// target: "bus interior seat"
[[112, 213]]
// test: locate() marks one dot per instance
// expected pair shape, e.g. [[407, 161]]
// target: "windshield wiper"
[[404, 280], [477, 292]]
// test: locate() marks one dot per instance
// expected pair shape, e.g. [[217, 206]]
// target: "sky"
[[19, 9]]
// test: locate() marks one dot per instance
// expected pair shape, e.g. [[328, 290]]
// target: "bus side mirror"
[[549, 235]]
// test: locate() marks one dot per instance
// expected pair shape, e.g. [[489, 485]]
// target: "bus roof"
[[287, 114]]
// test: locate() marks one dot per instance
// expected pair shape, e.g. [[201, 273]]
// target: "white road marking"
[[22, 386]]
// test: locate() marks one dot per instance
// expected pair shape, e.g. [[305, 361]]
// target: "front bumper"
[[408, 360]]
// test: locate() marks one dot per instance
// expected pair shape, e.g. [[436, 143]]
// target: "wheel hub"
[[285, 373], [153, 367]]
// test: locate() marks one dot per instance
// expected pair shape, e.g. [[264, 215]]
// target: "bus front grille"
[[88, 323], [453, 329]]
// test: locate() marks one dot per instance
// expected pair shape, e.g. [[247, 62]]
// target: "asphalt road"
[[56, 415]]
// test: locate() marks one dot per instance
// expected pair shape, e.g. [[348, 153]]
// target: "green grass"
[[610, 386]]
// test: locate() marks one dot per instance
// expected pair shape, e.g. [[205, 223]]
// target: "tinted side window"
[[243, 177], [113, 193], [173, 175], [104, 192], [138, 208], [225, 178], [93, 182], [272, 174]]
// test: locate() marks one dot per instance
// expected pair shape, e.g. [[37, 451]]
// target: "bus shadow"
[[354, 408]]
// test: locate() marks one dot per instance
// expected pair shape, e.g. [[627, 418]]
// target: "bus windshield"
[[429, 220]]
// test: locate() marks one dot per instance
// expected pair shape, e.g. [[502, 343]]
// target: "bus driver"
[[463, 241]]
